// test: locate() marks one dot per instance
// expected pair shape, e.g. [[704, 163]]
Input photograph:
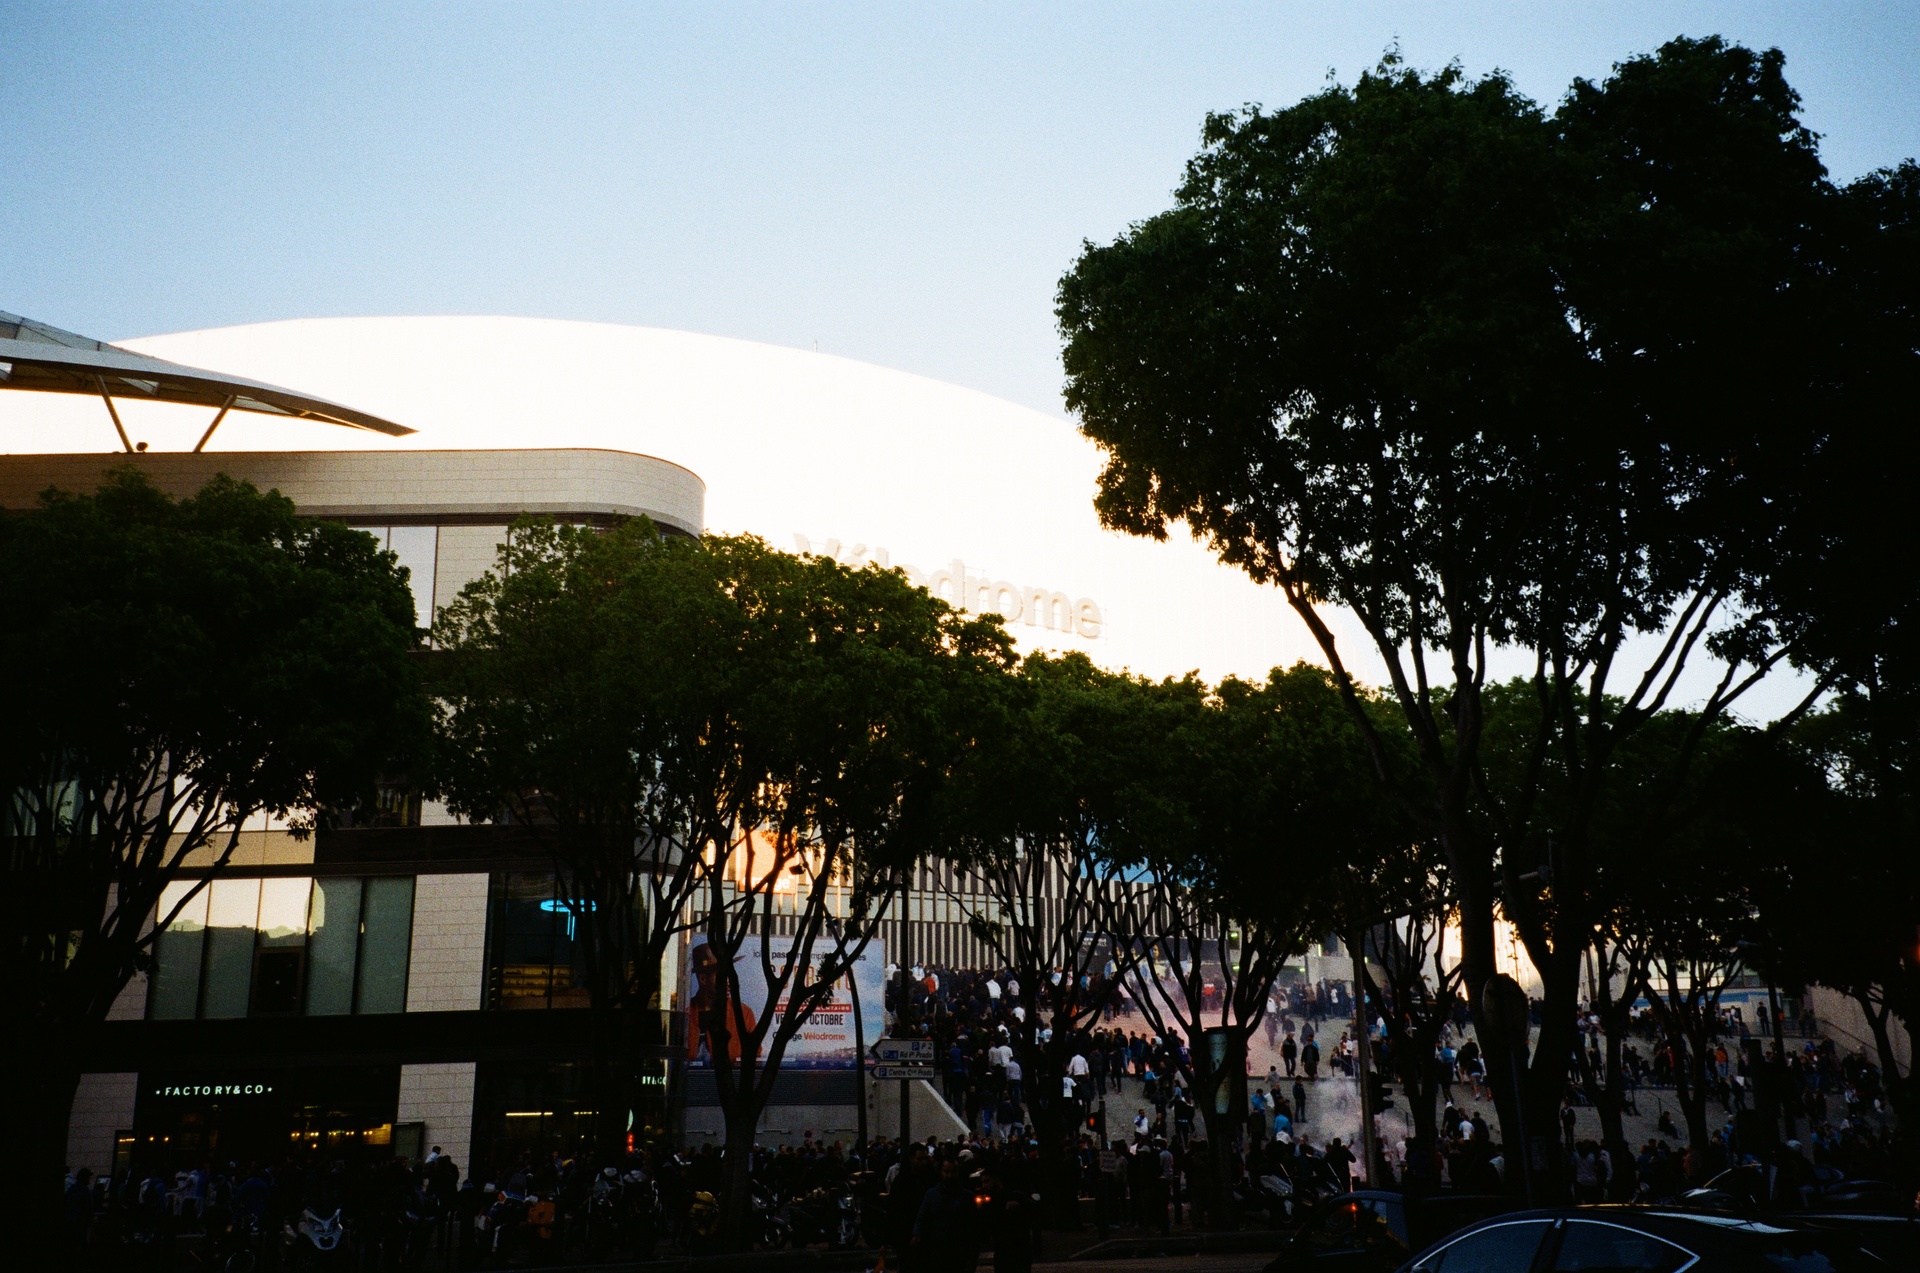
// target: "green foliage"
[[1486, 376], [712, 735], [172, 669]]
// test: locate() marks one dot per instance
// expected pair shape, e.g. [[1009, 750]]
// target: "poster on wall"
[[825, 1042]]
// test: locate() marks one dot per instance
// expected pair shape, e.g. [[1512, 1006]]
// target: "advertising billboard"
[[828, 1039]]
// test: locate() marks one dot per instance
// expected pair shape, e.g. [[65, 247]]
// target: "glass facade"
[[533, 952], [283, 946]]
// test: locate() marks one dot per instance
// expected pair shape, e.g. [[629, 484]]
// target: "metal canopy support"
[[222, 414], [119, 428]]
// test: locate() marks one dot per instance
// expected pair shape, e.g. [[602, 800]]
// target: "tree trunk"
[[1478, 966], [1222, 1129], [1547, 1075], [1690, 1090], [1897, 1088], [1611, 1100], [743, 1117]]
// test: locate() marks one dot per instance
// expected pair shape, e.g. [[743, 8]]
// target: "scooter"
[[314, 1239]]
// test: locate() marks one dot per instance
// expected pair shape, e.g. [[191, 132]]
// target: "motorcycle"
[[870, 1208], [824, 1215], [1270, 1193], [771, 1230]]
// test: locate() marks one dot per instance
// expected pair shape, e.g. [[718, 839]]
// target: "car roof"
[[1694, 1228]]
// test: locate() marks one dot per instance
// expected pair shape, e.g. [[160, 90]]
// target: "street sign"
[[904, 1052], [903, 1072]]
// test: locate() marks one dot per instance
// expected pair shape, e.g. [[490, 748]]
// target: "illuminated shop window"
[[283, 946], [533, 945]]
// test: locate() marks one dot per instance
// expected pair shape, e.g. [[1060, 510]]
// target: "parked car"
[[1894, 1238], [1373, 1231], [1641, 1240], [1751, 1187]]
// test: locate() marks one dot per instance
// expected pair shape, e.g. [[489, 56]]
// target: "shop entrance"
[[266, 1116], [526, 1111]]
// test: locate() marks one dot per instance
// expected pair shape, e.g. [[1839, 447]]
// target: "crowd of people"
[[1129, 1153]]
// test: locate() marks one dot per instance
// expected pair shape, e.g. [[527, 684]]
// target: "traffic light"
[[1378, 1090]]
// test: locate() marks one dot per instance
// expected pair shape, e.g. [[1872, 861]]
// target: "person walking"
[[1010, 1220], [943, 1230], [1341, 1160]]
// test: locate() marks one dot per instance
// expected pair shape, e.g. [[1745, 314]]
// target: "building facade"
[[372, 989], [386, 988]]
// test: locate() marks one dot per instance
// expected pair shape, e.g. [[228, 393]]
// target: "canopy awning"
[[44, 359]]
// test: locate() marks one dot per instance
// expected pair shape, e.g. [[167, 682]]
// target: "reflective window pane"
[[386, 939], [333, 939], [1501, 1248], [232, 909], [416, 548], [177, 953], [283, 911]]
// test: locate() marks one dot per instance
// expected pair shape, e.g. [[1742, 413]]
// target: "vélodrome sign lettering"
[[977, 593]]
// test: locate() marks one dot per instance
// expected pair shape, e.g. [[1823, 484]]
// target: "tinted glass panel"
[[385, 939], [1586, 1247], [177, 952], [1504, 1248], [232, 907], [334, 937]]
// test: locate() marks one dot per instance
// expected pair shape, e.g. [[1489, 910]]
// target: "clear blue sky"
[[902, 183]]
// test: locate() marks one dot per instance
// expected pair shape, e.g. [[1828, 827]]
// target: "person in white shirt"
[[1013, 986], [999, 1054], [1013, 1080], [993, 990], [1077, 1066]]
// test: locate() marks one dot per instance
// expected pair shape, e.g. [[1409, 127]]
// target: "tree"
[[174, 668], [1852, 582], [853, 698], [1486, 378], [1045, 794], [586, 688], [1235, 835], [1838, 908], [690, 728]]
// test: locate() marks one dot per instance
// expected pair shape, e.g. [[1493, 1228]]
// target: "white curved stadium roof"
[[853, 458]]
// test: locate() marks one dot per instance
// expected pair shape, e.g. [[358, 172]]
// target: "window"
[[282, 946], [533, 946], [1590, 1247], [417, 549], [1499, 1248]]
